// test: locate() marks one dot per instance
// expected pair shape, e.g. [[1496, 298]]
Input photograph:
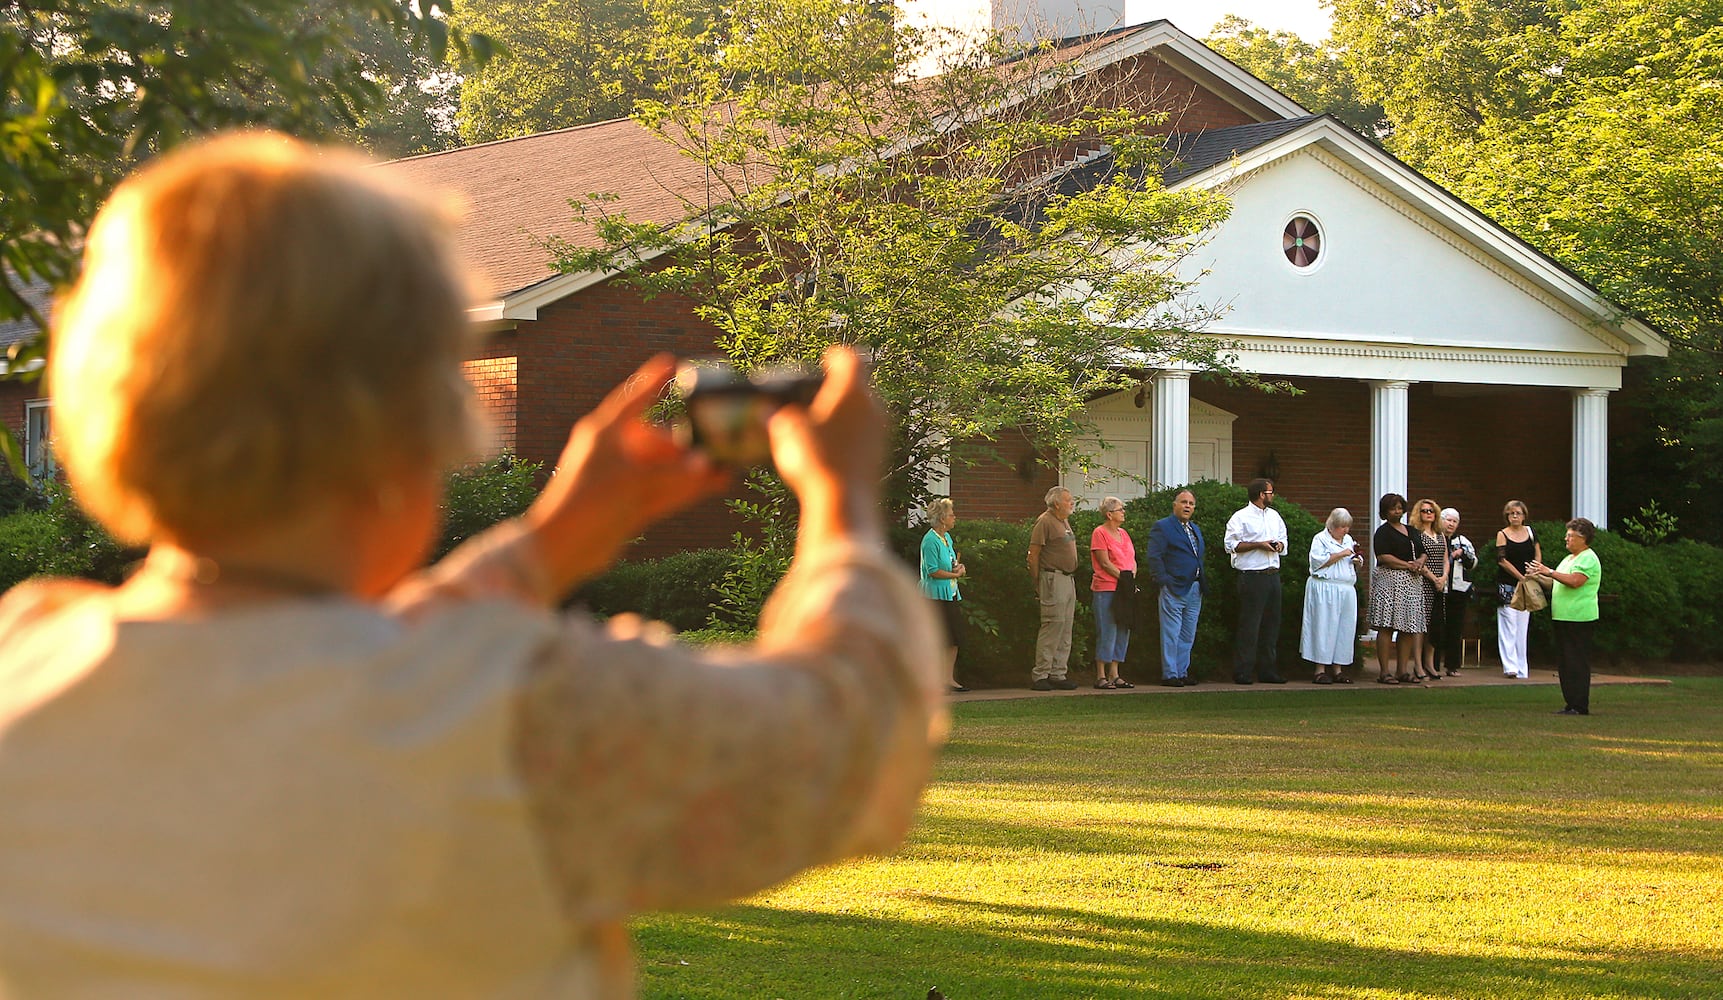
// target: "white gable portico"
[[1340, 263]]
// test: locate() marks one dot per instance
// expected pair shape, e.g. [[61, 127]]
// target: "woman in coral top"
[[1111, 554]]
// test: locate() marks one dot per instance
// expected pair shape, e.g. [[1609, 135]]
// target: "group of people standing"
[[1419, 589]]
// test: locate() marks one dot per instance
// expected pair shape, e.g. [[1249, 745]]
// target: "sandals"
[[1387, 679], [1103, 685], [1119, 683], [1342, 679]]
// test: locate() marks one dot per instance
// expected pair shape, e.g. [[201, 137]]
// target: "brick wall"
[[581, 348], [493, 381], [13, 396], [1005, 479]]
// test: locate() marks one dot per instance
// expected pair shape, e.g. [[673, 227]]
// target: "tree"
[[91, 87], [1594, 131], [933, 222], [1313, 75], [566, 64]]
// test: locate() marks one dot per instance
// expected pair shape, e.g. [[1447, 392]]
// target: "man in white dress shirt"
[[1255, 539]]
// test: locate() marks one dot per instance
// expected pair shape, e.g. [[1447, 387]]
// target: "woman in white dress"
[[1331, 600]]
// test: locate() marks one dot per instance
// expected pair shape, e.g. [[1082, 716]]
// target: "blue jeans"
[[1179, 629], [1111, 641]]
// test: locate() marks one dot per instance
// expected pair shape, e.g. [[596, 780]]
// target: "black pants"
[[1258, 625], [1571, 642], [1453, 626]]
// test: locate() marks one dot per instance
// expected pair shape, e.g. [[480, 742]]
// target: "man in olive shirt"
[[1052, 560]]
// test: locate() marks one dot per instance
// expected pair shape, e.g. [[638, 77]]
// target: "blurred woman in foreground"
[[281, 760]]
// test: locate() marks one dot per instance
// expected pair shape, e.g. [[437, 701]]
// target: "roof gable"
[[1433, 224]]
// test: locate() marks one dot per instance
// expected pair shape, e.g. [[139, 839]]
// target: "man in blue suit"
[[1175, 560]]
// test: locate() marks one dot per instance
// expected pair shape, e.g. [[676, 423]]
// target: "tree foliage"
[[92, 87], [1593, 129], [930, 222], [567, 62], [1313, 75]]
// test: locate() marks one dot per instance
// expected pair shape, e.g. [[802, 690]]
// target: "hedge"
[[677, 589], [60, 540]]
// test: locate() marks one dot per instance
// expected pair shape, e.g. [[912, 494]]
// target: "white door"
[[1203, 462], [1114, 471]]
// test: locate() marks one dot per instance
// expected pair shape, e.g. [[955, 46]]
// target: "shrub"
[[758, 561], [1696, 569], [678, 589], [481, 495], [60, 540], [19, 494], [716, 635]]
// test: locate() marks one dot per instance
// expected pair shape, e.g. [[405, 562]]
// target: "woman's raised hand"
[[617, 475], [831, 454]]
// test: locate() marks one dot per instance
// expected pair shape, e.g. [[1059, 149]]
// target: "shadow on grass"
[[975, 950]]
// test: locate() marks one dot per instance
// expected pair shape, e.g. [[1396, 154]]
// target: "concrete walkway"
[[1363, 674]]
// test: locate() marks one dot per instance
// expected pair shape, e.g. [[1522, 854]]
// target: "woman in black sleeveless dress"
[[1516, 546]]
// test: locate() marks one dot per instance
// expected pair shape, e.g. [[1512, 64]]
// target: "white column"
[[1170, 427], [1388, 429], [1591, 455]]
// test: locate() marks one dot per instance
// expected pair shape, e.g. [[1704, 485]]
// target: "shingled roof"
[[1191, 153], [14, 331], [517, 191]]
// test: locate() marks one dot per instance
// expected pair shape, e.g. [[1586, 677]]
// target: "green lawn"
[[1300, 844]]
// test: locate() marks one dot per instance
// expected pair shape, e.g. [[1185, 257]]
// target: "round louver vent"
[[1302, 241]]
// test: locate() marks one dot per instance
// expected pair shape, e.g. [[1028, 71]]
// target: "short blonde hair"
[[1337, 518], [260, 327], [938, 508], [1520, 505]]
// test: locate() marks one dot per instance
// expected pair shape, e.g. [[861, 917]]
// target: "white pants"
[[1512, 628]]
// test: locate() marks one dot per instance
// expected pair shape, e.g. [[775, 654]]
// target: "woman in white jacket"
[[1462, 560]]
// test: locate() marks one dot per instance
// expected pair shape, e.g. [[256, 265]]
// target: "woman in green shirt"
[[1573, 604]]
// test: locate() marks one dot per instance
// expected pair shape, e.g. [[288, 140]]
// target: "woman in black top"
[[1516, 547], [1396, 593]]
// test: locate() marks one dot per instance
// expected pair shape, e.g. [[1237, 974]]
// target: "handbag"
[[1529, 596]]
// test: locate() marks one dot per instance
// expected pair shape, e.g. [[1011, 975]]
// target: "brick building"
[[1435, 353]]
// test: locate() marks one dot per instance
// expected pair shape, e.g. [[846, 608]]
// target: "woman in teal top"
[[1573, 606], [940, 572]]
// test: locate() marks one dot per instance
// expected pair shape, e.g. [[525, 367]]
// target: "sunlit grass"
[[1360, 845]]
